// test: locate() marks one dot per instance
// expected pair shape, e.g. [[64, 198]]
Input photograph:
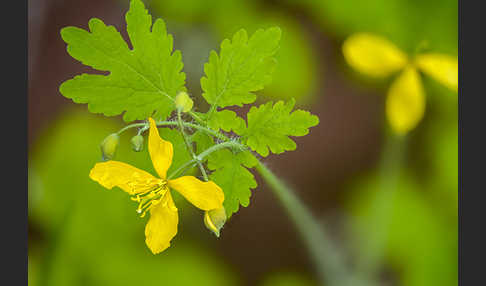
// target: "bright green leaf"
[[229, 172], [141, 80], [227, 120], [270, 125], [232, 176], [203, 141], [242, 67]]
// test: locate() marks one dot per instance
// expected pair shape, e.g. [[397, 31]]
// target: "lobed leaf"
[[270, 125], [242, 67], [232, 176], [227, 120], [141, 80]]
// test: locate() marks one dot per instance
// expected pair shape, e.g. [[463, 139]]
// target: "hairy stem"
[[211, 111], [228, 144], [197, 118], [189, 146], [181, 168], [175, 123], [202, 156]]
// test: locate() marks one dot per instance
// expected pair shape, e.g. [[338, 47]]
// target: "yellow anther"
[[149, 195]]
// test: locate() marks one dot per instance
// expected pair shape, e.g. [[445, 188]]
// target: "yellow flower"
[[153, 194], [405, 103]]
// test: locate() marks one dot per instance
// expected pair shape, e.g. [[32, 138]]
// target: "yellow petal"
[[161, 151], [373, 55], [443, 68], [204, 195], [162, 225], [114, 173], [405, 103]]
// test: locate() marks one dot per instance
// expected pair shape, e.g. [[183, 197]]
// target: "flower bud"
[[108, 146], [215, 219], [137, 143], [183, 102]]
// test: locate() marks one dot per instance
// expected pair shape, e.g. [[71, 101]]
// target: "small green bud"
[[108, 146], [183, 102], [137, 143], [215, 219]]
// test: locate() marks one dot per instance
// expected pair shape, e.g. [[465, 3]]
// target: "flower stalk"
[[189, 147]]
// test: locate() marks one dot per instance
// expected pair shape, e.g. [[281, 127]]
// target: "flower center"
[[150, 197]]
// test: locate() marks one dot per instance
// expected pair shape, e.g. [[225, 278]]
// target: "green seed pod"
[[137, 143], [108, 146], [183, 102], [215, 219]]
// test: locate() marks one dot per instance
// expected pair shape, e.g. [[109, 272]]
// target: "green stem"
[[391, 163], [330, 264], [175, 123], [181, 168], [201, 157], [197, 118], [189, 147], [228, 144], [211, 111], [130, 126]]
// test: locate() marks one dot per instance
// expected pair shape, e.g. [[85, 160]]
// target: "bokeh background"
[[81, 234]]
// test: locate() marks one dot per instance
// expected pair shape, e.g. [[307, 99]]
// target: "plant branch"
[[175, 123], [189, 146], [202, 156]]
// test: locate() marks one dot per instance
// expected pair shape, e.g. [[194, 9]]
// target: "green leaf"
[[141, 80], [227, 120], [232, 176], [229, 172], [203, 141], [242, 67], [269, 127]]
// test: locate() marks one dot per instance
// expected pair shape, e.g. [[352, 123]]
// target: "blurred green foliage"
[[93, 236], [417, 240]]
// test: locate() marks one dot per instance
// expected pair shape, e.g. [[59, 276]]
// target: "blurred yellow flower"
[[153, 193], [405, 103]]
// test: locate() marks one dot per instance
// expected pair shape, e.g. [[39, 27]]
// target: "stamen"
[[149, 197]]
